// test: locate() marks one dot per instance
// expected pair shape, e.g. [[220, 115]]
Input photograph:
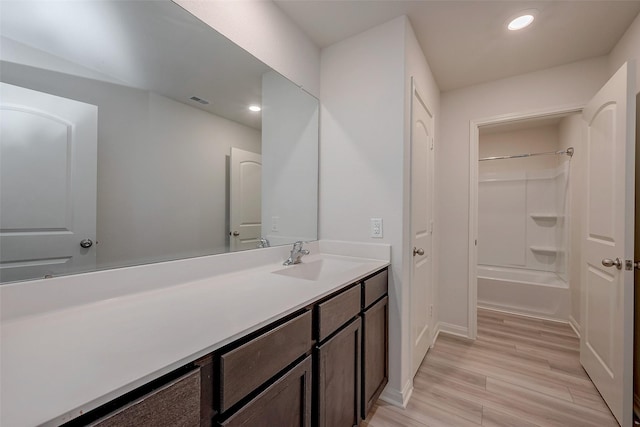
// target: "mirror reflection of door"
[[47, 184], [245, 199]]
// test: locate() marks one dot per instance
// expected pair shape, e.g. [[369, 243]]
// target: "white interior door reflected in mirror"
[[245, 199], [47, 184]]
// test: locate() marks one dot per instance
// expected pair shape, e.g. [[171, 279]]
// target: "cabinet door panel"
[[339, 378], [375, 353], [286, 403], [176, 404]]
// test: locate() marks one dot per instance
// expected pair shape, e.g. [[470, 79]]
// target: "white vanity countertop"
[[60, 363]]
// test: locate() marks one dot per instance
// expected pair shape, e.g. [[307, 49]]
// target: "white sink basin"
[[319, 269]]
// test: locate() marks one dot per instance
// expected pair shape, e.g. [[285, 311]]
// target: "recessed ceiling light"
[[255, 108], [522, 20]]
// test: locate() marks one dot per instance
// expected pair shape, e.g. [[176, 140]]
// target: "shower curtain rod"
[[568, 152]]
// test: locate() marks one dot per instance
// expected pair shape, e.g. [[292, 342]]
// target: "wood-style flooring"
[[519, 372]]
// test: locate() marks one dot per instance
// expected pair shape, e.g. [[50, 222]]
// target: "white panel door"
[[245, 204], [606, 342], [47, 184], [421, 229]]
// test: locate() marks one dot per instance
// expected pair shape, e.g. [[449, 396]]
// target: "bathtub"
[[533, 293]]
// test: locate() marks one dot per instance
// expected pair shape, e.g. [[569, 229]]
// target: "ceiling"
[[150, 45], [466, 42]]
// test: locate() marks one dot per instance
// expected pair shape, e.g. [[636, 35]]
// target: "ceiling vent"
[[199, 100]]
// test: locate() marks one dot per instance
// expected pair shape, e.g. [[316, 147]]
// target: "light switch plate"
[[274, 224], [376, 228]]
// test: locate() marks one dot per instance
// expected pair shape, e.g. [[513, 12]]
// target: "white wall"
[[361, 155], [510, 142], [289, 161], [627, 48], [20, 53], [572, 84], [262, 29], [364, 157]]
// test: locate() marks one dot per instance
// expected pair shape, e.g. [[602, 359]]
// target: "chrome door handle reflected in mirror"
[[236, 234], [418, 251], [86, 243], [610, 263]]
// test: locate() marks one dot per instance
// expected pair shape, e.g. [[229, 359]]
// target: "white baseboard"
[[448, 328], [435, 336], [575, 325], [396, 397], [522, 313]]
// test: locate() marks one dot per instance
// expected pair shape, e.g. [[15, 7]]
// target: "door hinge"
[[432, 143], [431, 228], [431, 310], [476, 242]]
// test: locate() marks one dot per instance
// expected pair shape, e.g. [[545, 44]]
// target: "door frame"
[[474, 143]]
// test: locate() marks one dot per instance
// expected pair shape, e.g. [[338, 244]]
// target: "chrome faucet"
[[296, 253], [263, 243]]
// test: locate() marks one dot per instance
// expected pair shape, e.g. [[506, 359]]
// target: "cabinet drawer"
[[174, 404], [287, 402], [337, 311], [245, 368], [374, 288]]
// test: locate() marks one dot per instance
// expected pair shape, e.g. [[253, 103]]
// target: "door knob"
[[610, 263], [418, 251], [236, 234], [86, 243]]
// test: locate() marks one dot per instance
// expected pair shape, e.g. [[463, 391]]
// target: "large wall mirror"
[[127, 138]]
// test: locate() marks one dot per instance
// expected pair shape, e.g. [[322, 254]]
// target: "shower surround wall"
[[522, 223]]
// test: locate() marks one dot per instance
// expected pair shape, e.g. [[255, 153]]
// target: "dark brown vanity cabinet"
[[323, 366], [352, 354], [260, 382], [338, 356], [375, 342]]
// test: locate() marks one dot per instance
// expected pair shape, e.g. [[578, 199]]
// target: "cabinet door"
[[175, 404], [375, 353], [286, 403], [338, 384]]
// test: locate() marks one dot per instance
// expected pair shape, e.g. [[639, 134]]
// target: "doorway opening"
[[520, 241]]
